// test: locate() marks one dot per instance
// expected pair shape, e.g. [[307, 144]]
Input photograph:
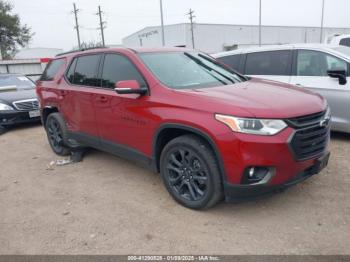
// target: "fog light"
[[251, 172], [257, 175]]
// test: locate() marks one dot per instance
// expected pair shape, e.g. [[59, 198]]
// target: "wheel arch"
[[169, 131], [46, 111]]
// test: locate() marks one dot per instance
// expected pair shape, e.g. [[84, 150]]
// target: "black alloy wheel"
[[187, 175], [190, 172]]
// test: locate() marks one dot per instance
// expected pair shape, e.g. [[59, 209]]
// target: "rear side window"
[[52, 69], [84, 70], [268, 63], [232, 61], [345, 41], [119, 68]]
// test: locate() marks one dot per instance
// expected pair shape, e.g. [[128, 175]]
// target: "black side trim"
[[197, 131], [119, 150]]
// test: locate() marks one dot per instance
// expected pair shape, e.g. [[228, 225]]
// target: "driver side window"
[[315, 63]]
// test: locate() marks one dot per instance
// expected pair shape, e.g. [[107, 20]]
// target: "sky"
[[52, 21]]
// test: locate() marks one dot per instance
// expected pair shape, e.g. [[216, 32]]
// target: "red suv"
[[209, 131]]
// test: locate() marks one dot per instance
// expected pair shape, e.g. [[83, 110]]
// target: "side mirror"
[[340, 74], [129, 87]]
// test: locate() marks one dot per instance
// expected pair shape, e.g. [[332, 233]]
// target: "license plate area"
[[35, 113], [321, 163]]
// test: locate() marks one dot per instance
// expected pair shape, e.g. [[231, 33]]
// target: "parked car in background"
[[339, 40], [18, 100], [324, 69], [209, 131]]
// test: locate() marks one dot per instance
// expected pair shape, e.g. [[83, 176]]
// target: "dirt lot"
[[106, 205]]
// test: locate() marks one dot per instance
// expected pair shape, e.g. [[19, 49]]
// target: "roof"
[[135, 50], [324, 47]]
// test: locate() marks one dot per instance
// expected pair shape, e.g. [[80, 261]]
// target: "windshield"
[[15, 82], [342, 49], [187, 70]]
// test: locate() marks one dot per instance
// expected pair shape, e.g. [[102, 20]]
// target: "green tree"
[[12, 33]]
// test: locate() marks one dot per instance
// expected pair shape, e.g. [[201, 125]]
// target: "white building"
[[38, 52], [214, 38], [29, 61]]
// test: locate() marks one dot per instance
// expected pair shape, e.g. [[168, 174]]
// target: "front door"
[[124, 121], [311, 73]]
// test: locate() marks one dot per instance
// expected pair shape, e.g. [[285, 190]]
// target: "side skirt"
[[119, 150]]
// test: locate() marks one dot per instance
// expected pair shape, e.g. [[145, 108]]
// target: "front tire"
[[190, 172]]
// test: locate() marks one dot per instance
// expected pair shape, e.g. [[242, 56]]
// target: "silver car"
[[324, 69]]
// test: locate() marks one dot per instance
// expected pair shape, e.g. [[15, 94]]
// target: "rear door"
[[78, 96], [311, 72], [233, 61], [273, 65]]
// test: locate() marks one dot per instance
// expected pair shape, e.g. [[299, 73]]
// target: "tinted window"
[[86, 71], [268, 63], [70, 73], [119, 68], [52, 69], [232, 61], [314, 63], [345, 41]]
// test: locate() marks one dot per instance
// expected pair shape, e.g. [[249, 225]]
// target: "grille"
[[311, 137], [26, 105], [306, 120]]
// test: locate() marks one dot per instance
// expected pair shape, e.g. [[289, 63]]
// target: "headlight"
[[4, 107], [265, 127]]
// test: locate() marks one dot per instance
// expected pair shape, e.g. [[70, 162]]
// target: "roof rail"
[[81, 50]]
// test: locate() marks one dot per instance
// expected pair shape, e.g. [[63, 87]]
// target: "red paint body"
[[133, 120]]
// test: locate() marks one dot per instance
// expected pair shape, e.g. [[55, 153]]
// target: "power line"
[[99, 13], [162, 21], [259, 22], [322, 19], [75, 11], [191, 17]]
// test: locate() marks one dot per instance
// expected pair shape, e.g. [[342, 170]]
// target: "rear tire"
[[190, 172], [56, 131]]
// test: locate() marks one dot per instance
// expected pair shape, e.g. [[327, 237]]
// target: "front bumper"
[[242, 192], [241, 151], [13, 117]]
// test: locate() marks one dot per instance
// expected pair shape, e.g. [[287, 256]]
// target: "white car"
[[339, 40], [324, 69]]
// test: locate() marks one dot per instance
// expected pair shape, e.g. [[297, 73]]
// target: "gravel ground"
[[106, 205]]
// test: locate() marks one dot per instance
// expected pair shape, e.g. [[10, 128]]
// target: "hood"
[[259, 98], [10, 96]]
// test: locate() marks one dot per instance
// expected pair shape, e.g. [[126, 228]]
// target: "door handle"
[[63, 92], [103, 99]]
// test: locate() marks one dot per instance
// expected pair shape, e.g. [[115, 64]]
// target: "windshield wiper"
[[200, 62]]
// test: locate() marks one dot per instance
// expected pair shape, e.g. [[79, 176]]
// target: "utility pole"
[[191, 16], [75, 11], [322, 18], [259, 22], [99, 13], [162, 21]]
